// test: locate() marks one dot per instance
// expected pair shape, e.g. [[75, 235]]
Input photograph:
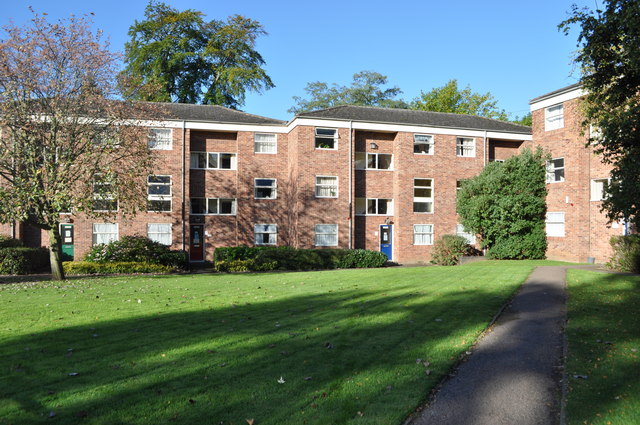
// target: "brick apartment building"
[[348, 177]]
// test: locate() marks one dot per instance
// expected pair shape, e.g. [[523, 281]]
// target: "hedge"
[[121, 267], [137, 249], [8, 242], [22, 260], [626, 253]]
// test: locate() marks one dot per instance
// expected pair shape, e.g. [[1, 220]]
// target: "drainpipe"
[[350, 183], [485, 148], [184, 152]]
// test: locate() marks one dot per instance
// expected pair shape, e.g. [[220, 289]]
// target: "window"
[[374, 206], [373, 161], [423, 195], [554, 224], [159, 193], [265, 189], [423, 234], [265, 234], [159, 138], [213, 161], [160, 232], [553, 117], [326, 187], [466, 146], [555, 170], [598, 187], [423, 143], [326, 138], [104, 233], [326, 235], [213, 206], [461, 231], [265, 143], [104, 198]]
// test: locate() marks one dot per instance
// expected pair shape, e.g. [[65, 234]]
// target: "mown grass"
[[212, 348], [603, 332]]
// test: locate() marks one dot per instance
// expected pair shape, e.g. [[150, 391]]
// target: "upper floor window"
[[466, 146], [374, 206], [423, 195], [553, 117], [326, 186], [265, 143], [555, 170], [326, 138], [159, 193], [374, 161], [213, 206], [104, 197], [159, 138], [598, 187], [265, 189], [213, 161], [423, 143]]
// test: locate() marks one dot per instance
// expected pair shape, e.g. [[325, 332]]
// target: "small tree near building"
[[67, 143], [505, 205]]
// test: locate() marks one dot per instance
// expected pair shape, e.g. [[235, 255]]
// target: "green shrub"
[[137, 249], [448, 249], [9, 242], [626, 253], [175, 259], [229, 253], [360, 258], [126, 267], [22, 260]]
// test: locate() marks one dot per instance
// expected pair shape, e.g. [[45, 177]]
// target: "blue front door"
[[386, 240]]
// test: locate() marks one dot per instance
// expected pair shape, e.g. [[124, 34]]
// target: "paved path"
[[513, 375]]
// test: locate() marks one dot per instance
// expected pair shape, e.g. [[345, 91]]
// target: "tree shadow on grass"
[[339, 354]]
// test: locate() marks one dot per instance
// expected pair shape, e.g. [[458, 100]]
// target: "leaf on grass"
[[308, 378], [328, 346], [249, 421], [74, 374], [52, 414], [581, 376], [281, 380]]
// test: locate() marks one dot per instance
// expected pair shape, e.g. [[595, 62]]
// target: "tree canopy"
[[190, 60], [67, 143], [366, 89], [449, 98], [506, 205], [609, 59]]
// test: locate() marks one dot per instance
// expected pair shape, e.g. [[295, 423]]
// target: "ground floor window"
[[423, 234], [104, 233], [326, 235], [461, 231], [159, 232], [265, 234], [555, 224]]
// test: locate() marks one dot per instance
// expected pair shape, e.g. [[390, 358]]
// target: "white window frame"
[[274, 187], [598, 187], [217, 201], [272, 144], [151, 197], [332, 235], [234, 160], [333, 188], [461, 231], [156, 141], [551, 171], [430, 142], [358, 211], [333, 138], [461, 149], [429, 234], [159, 236], [423, 199], [554, 227], [554, 117], [111, 239], [274, 233], [107, 196], [377, 155]]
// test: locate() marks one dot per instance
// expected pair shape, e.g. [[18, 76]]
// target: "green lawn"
[[604, 347], [210, 349]]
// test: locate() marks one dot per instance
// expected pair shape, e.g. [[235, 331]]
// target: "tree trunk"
[[55, 253]]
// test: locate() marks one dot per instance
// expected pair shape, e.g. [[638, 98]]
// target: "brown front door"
[[196, 251]]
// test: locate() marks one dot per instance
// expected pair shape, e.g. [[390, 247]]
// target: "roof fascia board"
[[199, 125], [558, 98]]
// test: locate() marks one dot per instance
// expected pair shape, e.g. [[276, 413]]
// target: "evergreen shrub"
[[626, 253]]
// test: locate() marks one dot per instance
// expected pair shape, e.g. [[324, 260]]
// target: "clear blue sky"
[[511, 48]]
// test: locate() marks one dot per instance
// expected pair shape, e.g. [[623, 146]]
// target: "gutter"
[[485, 148]]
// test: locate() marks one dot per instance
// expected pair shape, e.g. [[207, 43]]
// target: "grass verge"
[[333, 347], [603, 332]]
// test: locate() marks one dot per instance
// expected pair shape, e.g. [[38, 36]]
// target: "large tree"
[[450, 98], [506, 204], [609, 58], [67, 142], [191, 60], [366, 89]]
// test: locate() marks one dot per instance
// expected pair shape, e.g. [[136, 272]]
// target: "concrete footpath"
[[513, 375]]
